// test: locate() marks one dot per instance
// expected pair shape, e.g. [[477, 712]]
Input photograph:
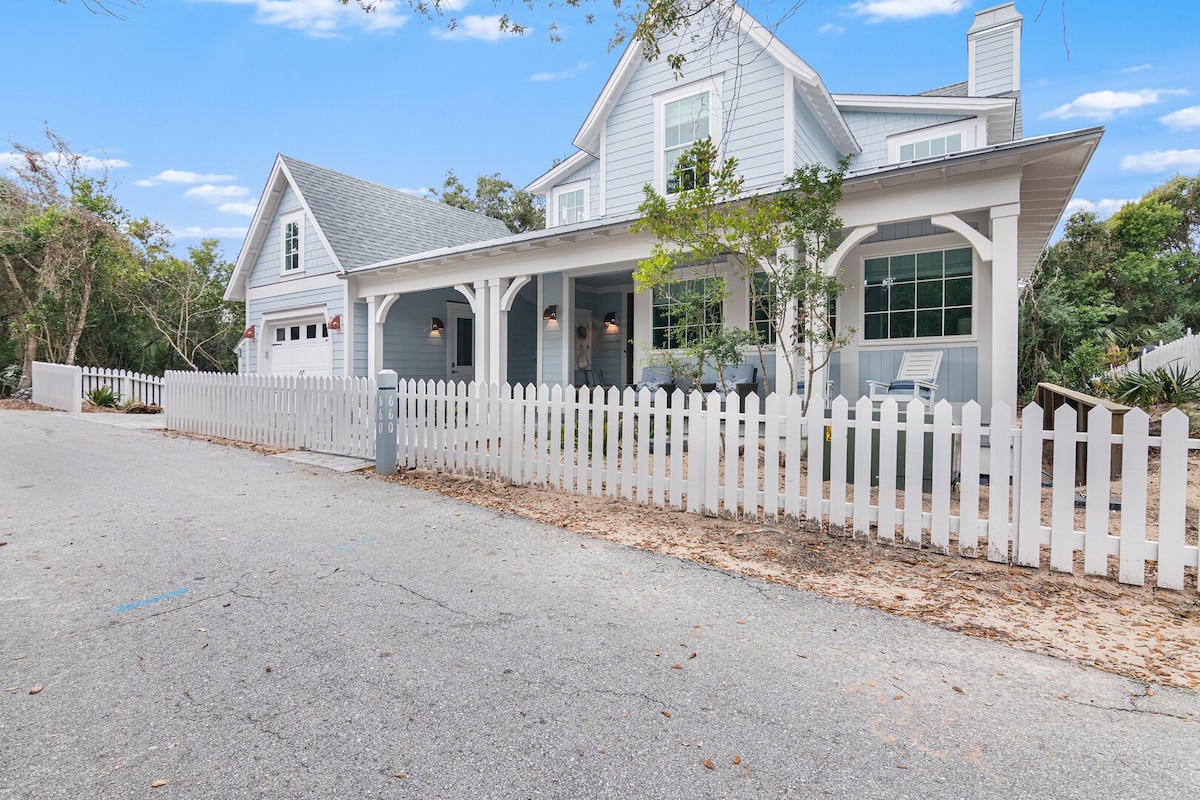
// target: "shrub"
[[1172, 384], [10, 376], [104, 396]]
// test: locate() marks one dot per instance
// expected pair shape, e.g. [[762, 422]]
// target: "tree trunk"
[[31, 348]]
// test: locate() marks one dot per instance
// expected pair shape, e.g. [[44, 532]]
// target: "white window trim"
[[914, 341], [567, 188], [974, 136], [712, 86], [284, 221]]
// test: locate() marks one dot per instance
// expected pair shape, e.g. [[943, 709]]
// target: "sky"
[[188, 101]]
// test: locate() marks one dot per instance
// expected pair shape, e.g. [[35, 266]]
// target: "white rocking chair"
[[914, 379]]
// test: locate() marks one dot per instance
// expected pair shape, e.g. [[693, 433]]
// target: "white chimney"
[[994, 52]]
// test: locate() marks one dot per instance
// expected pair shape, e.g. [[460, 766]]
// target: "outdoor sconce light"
[[438, 326], [550, 314], [610, 319]]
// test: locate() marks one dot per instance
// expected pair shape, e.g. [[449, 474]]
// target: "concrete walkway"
[[247, 627]]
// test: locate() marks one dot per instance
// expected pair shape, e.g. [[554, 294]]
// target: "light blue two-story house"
[[946, 207]]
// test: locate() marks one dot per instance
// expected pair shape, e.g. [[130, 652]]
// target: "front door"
[[460, 343]]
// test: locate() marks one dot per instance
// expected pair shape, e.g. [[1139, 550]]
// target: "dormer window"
[[571, 203], [292, 244], [936, 141], [684, 116]]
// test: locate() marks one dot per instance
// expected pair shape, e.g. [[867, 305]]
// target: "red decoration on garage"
[[248, 333], [335, 323]]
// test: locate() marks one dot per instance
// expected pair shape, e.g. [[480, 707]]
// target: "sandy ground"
[[1146, 634]]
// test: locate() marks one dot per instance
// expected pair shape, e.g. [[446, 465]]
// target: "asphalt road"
[[242, 627]]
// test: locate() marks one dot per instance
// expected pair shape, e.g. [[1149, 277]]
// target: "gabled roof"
[[359, 222], [549, 178], [809, 84]]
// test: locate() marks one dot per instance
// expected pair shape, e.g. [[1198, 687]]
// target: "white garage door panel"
[[301, 358]]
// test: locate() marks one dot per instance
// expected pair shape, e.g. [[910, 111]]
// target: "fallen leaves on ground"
[[1141, 632]]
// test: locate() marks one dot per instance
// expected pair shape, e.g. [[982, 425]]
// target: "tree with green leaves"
[[712, 230], [1112, 285], [59, 237], [497, 198]]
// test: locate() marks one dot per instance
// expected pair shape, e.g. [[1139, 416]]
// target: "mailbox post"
[[387, 408]]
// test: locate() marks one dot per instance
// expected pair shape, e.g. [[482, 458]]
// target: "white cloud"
[[183, 177], [245, 209], [420, 192], [1138, 68], [1185, 119], [1105, 104], [559, 76], [1162, 161], [323, 19], [886, 10], [1101, 208], [474, 26], [830, 28], [86, 163], [196, 232], [209, 193]]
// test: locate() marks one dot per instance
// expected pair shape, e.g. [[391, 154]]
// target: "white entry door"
[[460, 342]]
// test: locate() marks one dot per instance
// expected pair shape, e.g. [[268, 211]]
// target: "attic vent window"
[[931, 148], [292, 253]]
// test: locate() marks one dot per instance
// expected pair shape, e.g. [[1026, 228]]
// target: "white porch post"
[[497, 331], [374, 336], [816, 349], [482, 308], [1004, 304]]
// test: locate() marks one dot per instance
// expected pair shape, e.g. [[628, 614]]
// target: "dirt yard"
[[1146, 634]]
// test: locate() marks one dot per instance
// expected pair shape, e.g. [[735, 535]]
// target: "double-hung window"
[[292, 244], [685, 311], [918, 295], [686, 122]]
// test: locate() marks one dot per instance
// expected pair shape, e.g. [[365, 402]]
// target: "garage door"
[[302, 348]]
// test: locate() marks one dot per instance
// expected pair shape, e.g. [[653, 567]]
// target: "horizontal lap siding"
[[409, 345], [332, 298], [267, 265], [994, 65], [608, 345], [522, 337], [552, 361], [753, 118], [590, 172], [957, 380], [872, 130], [361, 357]]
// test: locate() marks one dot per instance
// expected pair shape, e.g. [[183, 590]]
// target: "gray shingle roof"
[[366, 223], [953, 90]]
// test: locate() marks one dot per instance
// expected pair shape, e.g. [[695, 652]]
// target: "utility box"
[[901, 446]]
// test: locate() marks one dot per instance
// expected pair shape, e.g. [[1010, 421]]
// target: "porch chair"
[[914, 379], [655, 377], [738, 381]]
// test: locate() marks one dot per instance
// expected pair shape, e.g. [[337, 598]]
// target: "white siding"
[[409, 345], [360, 341], [872, 130], [552, 343]]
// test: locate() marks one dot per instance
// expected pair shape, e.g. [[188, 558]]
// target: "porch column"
[[816, 350], [482, 308], [497, 331], [374, 336], [1004, 304]]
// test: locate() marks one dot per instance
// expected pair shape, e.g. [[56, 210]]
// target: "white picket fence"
[[57, 386], [329, 415], [771, 462], [1184, 352], [129, 386]]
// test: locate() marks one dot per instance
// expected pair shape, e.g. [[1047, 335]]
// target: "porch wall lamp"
[[610, 319], [550, 314], [438, 326]]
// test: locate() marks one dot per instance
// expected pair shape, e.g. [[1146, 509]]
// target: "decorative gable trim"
[[549, 179]]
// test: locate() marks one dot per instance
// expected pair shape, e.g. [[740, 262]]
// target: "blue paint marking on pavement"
[[149, 600], [337, 548]]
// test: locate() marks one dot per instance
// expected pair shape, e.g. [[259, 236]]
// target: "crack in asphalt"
[[440, 604]]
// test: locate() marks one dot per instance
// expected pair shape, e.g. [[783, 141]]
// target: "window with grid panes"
[[918, 295], [673, 327], [930, 148], [685, 123], [291, 246], [570, 207]]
